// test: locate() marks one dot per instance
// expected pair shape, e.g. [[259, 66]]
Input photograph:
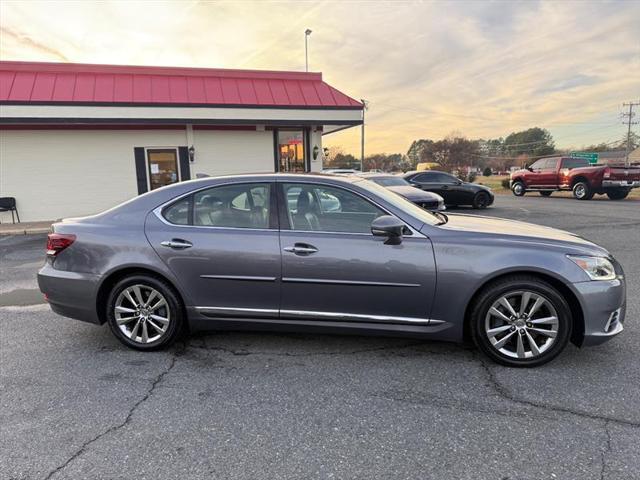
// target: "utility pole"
[[365, 106], [629, 121], [307, 32]]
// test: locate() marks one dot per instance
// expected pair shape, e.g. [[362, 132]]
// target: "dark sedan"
[[346, 256], [454, 191], [429, 200]]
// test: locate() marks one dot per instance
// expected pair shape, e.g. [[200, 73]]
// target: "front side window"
[[231, 206], [328, 209], [163, 167], [539, 165]]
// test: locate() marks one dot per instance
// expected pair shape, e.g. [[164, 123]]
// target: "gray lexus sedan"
[[329, 254]]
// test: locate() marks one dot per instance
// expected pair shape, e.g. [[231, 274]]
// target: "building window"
[[162, 167], [291, 151]]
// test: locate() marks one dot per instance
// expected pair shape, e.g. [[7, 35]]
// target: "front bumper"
[[603, 307], [621, 183], [70, 294]]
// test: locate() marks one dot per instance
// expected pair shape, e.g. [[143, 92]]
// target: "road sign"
[[592, 157]]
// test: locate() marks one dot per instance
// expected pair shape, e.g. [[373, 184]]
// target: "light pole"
[[365, 105], [307, 32]]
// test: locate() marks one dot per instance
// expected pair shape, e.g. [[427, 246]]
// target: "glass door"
[[291, 151], [163, 167]]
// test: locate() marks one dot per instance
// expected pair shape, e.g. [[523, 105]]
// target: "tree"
[[336, 158], [534, 142], [487, 172]]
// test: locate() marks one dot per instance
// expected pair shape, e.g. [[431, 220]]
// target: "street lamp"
[[307, 32]]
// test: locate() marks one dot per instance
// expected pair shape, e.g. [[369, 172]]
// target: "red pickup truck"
[[577, 175]]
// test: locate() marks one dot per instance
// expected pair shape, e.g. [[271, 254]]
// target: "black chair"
[[8, 204]]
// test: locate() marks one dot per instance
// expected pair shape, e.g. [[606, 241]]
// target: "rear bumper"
[[70, 294], [621, 183], [603, 307]]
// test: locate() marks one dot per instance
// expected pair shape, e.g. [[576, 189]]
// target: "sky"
[[427, 69]]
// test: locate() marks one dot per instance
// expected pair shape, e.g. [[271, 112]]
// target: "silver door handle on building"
[[177, 244]]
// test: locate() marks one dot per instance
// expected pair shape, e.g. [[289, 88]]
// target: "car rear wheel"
[[618, 193], [518, 189], [481, 200], [582, 191], [546, 193], [144, 312], [521, 321]]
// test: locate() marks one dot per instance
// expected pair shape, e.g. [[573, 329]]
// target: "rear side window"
[[574, 163], [178, 213], [231, 206]]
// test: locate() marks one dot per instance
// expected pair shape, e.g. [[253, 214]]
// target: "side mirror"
[[388, 226], [528, 167]]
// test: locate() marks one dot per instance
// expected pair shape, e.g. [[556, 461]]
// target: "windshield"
[[401, 203], [390, 181]]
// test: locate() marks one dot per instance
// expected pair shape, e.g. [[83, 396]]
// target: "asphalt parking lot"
[[76, 404]]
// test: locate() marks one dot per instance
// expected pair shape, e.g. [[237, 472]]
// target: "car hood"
[[415, 194], [526, 231]]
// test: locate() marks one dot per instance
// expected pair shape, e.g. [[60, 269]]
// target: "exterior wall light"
[[192, 153], [316, 151]]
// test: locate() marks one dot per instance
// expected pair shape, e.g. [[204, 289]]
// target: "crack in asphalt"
[[606, 451], [155, 382], [505, 393]]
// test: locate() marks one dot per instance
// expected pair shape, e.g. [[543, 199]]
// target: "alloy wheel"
[[142, 313], [580, 191], [522, 324], [518, 189]]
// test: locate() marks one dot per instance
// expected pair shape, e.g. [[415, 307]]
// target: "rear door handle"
[[301, 249], [176, 244]]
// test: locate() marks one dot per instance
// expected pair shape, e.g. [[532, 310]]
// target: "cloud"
[[428, 68]]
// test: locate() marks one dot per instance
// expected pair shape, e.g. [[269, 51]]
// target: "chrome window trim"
[[158, 210]]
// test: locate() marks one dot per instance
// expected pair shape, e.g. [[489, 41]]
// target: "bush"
[[505, 184], [472, 177], [486, 172]]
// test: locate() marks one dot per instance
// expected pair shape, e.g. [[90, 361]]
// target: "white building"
[[78, 139]]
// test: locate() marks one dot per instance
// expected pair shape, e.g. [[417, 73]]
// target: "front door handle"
[[301, 249], [176, 244]]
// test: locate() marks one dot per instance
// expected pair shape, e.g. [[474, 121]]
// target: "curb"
[[25, 231]]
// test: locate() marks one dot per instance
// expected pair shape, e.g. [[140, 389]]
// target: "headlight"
[[598, 268]]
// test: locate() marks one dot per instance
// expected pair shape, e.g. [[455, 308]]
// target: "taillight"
[[57, 242], [607, 173]]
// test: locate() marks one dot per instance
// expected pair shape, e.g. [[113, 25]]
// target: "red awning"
[[83, 84]]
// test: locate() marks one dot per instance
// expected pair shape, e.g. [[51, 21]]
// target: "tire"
[[546, 193], [513, 288], [618, 193], [148, 319], [518, 188], [582, 191], [480, 201]]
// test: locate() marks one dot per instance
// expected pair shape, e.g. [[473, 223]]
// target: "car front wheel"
[[518, 189], [144, 312], [521, 321]]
